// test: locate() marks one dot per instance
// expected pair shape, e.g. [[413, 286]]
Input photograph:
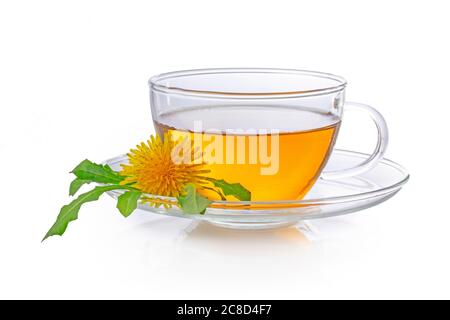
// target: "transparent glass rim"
[[317, 201], [155, 83]]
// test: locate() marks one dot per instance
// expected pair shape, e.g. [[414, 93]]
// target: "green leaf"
[[232, 189], [70, 211], [88, 170], [127, 202], [191, 202], [219, 193], [76, 184]]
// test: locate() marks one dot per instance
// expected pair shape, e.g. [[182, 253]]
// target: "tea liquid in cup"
[[279, 156]]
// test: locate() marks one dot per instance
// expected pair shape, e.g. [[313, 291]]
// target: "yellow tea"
[[279, 158]]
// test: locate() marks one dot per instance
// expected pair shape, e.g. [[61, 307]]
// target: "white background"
[[73, 85]]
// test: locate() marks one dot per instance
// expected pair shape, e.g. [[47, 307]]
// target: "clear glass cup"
[[303, 104]]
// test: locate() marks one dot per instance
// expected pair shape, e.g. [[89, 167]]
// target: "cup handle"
[[380, 149]]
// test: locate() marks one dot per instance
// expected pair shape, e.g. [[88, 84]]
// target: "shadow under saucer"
[[204, 237], [181, 249]]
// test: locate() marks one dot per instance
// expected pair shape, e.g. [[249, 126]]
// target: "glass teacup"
[[272, 130]]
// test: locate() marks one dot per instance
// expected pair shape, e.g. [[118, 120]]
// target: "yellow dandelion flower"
[[151, 168]]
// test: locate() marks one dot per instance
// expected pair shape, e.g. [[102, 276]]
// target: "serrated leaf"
[[70, 211], [191, 202], [88, 170], [128, 201], [232, 189], [76, 184]]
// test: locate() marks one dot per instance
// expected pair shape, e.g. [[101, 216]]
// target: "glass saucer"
[[327, 198]]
